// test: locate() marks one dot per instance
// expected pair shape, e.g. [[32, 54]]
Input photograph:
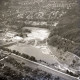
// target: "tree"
[[21, 35], [1, 64], [33, 58], [57, 78], [14, 51], [74, 61], [25, 56], [3, 78], [48, 76]]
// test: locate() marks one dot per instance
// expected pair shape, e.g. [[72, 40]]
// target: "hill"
[[66, 35]]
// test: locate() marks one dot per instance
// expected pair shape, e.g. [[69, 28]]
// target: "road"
[[3, 58], [8, 44], [43, 67]]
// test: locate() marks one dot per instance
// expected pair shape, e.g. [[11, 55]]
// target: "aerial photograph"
[[39, 39]]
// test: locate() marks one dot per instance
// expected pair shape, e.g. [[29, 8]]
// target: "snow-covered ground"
[[39, 33], [36, 34]]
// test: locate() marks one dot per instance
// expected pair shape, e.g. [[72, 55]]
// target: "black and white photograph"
[[39, 39]]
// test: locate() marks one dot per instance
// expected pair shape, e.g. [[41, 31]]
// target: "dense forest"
[[66, 35]]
